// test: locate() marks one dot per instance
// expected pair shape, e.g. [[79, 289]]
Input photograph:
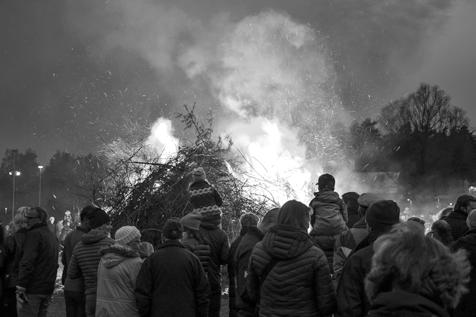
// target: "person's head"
[[198, 174], [471, 220], [441, 231], [294, 214], [365, 200], [351, 201], [97, 218], [67, 216], [128, 236], [465, 203], [382, 215], [172, 229], [269, 220], [191, 224], [248, 220], [418, 221], [326, 182], [34, 216], [85, 213], [405, 259], [19, 220]]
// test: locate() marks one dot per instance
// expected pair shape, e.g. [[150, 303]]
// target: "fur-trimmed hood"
[[116, 254]]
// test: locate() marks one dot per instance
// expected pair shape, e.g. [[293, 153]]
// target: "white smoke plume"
[[162, 141]]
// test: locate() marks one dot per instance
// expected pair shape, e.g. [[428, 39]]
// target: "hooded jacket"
[[117, 273], [299, 282], [85, 259], [403, 304], [467, 304], [330, 213], [39, 262]]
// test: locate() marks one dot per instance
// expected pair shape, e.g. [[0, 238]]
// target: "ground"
[[57, 307]]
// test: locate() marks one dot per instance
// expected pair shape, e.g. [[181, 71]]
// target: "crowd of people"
[[336, 256]]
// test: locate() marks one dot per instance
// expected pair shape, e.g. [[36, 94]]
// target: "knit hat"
[[382, 214], [126, 234], [211, 216], [248, 220], [172, 229], [269, 220], [191, 221], [471, 220], [98, 218], [367, 199], [199, 173]]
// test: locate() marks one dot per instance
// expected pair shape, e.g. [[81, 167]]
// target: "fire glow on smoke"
[[273, 76]]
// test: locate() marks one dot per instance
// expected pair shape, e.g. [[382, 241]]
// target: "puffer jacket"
[[467, 304], [117, 273], [85, 259], [299, 283], [201, 250], [399, 303], [69, 243]]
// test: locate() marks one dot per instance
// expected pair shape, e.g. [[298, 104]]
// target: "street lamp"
[[14, 174], [40, 167]]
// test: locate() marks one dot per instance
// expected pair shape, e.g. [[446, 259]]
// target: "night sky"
[[74, 73]]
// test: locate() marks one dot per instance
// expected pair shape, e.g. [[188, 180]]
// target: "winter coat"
[[351, 298], [399, 303], [346, 243], [457, 221], [299, 283], [328, 222], [219, 249], [117, 274], [39, 262], [240, 259], [85, 259], [231, 274], [467, 304], [14, 251], [330, 213], [171, 282], [69, 243], [200, 249]]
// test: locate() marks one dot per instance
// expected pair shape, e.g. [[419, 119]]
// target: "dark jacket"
[[200, 249], [219, 249], [351, 298], [85, 259], [39, 263], [457, 221], [231, 273], [68, 246], [467, 304], [240, 260], [404, 304], [299, 284], [346, 243], [171, 282]]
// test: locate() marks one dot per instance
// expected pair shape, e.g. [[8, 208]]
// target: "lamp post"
[[14, 174], [40, 168]]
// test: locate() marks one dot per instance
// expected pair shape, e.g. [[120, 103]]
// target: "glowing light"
[[161, 139]]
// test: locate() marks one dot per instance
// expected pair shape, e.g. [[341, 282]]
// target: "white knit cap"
[[126, 234]]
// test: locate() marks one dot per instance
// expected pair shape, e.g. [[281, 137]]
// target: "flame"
[[161, 140]]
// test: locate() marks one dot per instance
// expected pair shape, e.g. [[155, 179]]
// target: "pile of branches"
[[163, 191]]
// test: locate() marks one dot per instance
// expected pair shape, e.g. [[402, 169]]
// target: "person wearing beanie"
[[240, 252], [467, 304], [351, 298], [193, 240], [206, 201], [171, 282], [74, 289], [329, 217], [269, 220], [349, 239], [117, 272], [86, 256], [457, 218], [285, 258], [38, 265]]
